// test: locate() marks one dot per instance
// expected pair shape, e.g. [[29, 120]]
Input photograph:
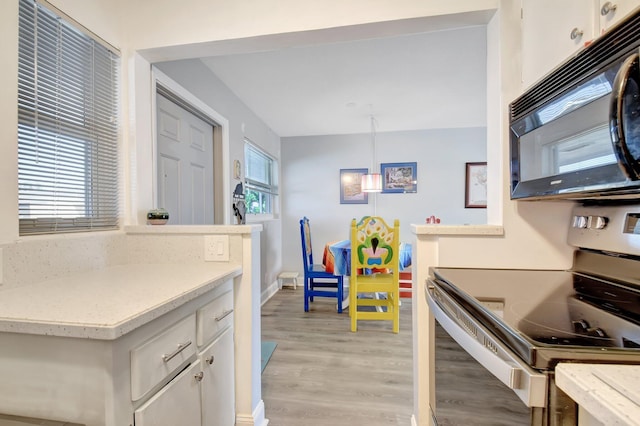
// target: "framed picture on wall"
[[399, 177], [350, 186], [475, 191]]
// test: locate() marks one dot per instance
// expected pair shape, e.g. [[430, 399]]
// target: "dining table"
[[336, 257]]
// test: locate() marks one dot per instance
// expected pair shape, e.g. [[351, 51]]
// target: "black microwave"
[[575, 134]]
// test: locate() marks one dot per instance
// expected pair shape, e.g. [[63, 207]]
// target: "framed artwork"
[[350, 186], [399, 177], [475, 191], [237, 169]]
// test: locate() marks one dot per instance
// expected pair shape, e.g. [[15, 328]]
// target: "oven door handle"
[[529, 385]]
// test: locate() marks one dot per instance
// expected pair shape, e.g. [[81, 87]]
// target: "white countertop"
[[107, 303], [609, 392], [193, 229], [458, 230]]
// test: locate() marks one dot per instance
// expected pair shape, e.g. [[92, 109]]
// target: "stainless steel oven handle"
[[529, 385]]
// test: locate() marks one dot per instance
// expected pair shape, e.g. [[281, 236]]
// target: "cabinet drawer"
[[161, 356], [215, 317]]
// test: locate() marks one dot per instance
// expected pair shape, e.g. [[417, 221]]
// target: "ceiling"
[[422, 80]]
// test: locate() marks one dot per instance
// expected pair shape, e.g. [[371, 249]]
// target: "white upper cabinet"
[[611, 12], [553, 30]]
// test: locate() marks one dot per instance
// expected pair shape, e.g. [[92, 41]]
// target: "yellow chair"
[[375, 272]]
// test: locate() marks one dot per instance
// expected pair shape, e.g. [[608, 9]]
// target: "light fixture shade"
[[371, 182]]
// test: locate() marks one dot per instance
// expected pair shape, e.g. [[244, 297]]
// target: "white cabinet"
[[553, 30], [611, 12], [218, 396], [203, 393], [178, 403]]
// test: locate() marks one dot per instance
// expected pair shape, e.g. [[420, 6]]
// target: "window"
[[260, 180], [67, 125]]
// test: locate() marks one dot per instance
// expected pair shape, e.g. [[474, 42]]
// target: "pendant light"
[[372, 182]]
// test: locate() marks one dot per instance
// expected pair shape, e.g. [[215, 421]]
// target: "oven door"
[[477, 379]]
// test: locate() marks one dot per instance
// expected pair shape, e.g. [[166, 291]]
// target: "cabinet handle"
[[608, 8], [181, 347], [210, 360], [576, 33], [224, 315], [199, 376]]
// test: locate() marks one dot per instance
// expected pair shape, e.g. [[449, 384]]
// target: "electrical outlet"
[[216, 248]]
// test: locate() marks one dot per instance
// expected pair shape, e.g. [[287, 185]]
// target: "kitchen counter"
[[608, 392], [107, 303], [462, 230]]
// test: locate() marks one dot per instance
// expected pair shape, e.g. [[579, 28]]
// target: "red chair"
[[317, 281]]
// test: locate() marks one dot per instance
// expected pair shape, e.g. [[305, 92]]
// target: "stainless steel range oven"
[[500, 333]]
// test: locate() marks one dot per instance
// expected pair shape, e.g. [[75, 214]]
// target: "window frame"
[[269, 189], [68, 125]]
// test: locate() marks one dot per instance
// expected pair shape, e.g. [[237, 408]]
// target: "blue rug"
[[267, 351]]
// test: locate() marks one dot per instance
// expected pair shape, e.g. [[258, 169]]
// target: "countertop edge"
[[192, 229], [459, 230], [598, 398], [97, 331]]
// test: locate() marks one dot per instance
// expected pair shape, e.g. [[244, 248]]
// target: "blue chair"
[[316, 279]]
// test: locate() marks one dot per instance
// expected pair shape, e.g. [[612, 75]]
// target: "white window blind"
[[67, 126], [260, 180]]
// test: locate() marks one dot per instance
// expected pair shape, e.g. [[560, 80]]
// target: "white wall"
[[311, 185], [196, 78], [175, 29]]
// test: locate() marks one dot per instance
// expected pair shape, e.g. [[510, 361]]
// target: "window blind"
[[67, 126], [259, 171]]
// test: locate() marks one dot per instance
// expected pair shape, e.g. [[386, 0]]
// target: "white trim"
[[78, 26], [175, 87], [255, 419], [269, 292]]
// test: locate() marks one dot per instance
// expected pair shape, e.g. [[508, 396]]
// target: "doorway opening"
[[188, 163]]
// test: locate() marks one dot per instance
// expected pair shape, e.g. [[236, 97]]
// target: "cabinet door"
[[218, 388], [546, 33], [613, 15], [178, 403]]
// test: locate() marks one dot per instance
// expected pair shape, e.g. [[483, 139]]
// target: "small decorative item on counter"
[[239, 206], [157, 217], [431, 220]]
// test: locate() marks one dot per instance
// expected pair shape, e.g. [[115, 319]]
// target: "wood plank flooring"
[[322, 374]]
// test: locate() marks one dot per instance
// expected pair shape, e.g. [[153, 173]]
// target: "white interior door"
[[185, 164]]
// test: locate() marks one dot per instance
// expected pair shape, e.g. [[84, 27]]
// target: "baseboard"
[[269, 292], [256, 418]]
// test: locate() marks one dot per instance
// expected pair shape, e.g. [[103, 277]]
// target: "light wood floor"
[[323, 374]]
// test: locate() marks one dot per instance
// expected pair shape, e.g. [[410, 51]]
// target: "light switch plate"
[[1, 263], [216, 248]]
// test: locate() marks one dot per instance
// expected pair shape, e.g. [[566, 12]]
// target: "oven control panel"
[[632, 225], [611, 228], [591, 222]]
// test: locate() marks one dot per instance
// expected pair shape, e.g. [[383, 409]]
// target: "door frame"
[[158, 77]]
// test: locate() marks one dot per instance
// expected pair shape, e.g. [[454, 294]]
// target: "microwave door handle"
[[616, 125]]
